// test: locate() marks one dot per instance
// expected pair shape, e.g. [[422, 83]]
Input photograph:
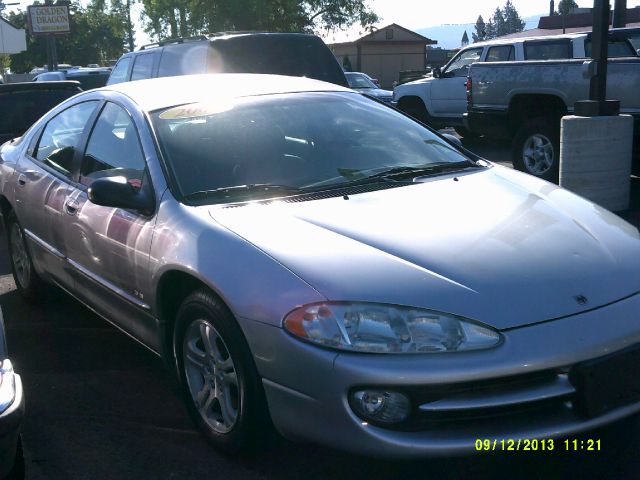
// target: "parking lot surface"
[[101, 406]]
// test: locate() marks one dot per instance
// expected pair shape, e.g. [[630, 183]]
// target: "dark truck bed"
[[22, 104]]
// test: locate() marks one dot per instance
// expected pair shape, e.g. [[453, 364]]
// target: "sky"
[[415, 14]]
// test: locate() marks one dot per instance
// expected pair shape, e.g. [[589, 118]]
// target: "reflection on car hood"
[[496, 246], [376, 92]]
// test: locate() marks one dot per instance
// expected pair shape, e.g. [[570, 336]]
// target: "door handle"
[[71, 206], [22, 179]]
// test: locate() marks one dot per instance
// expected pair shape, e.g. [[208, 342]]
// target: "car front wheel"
[[220, 383]]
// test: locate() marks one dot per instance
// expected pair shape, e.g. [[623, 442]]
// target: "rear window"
[[548, 50], [281, 55], [505, 53], [616, 48], [183, 59], [91, 80], [21, 109]]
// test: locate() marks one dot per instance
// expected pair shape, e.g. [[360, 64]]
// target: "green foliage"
[[5, 62], [481, 30], [565, 6], [97, 35], [503, 22], [168, 18]]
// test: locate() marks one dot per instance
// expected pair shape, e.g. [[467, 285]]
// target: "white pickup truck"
[[441, 101]]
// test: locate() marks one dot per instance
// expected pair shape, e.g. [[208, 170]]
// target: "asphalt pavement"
[[101, 406]]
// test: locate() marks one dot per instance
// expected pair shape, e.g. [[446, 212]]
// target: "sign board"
[[46, 19]]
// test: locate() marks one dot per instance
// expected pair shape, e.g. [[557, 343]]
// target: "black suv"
[[293, 54], [22, 104]]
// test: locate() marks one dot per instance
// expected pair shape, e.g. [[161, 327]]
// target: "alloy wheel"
[[211, 376], [538, 154], [19, 256]]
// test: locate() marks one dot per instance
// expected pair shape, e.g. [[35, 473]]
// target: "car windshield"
[[293, 142], [359, 81]]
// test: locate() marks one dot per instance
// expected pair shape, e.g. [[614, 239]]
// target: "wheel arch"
[[525, 107], [173, 287]]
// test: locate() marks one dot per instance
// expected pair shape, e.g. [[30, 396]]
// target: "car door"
[[108, 247], [448, 92], [44, 175]]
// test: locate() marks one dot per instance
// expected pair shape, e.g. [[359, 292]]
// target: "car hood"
[[496, 246], [376, 92]]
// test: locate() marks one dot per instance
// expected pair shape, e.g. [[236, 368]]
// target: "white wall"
[[12, 40]]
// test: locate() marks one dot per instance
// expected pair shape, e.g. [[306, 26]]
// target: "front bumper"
[[307, 388], [10, 423]]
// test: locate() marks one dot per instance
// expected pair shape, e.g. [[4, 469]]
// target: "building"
[[384, 53], [12, 39]]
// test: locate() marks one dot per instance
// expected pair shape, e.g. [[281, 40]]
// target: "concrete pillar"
[[595, 158]]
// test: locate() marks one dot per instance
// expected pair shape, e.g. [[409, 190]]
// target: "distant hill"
[[449, 36]]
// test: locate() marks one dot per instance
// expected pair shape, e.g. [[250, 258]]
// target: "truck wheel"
[[536, 149], [27, 281]]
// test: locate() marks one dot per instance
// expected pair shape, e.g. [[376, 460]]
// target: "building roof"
[[372, 37]]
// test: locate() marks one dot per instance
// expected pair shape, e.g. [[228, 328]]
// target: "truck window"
[[142, 67], [617, 48], [183, 59], [548, 50], [120, 71], [459, 66], [503, 53]]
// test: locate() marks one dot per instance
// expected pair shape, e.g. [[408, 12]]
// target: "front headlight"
[[377, 328]]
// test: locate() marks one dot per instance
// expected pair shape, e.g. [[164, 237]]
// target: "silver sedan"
[[306, 258]]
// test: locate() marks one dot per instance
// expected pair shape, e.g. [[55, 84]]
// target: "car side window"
[[120, 71], [113, 149], [61, 137], [503, 53], [142, 67], [547, 50], [459, 66]]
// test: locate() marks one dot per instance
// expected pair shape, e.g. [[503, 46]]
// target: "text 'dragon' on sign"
[[45, 19]]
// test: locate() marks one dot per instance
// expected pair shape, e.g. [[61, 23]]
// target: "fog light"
[[381, 406]]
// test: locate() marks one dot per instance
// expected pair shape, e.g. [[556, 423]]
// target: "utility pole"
[[619, 13], [52, 51]]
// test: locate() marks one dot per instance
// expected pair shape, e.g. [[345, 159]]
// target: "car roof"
[[157, 93], [511, 41]]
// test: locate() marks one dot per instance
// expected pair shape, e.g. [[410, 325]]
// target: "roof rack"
[[204, 36]]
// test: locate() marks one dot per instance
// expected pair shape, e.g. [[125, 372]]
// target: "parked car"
[[525, 101], [232, 52], [22, 104], [257, 233], [441, 100], [88, 77], [11, 413], [363, 83]]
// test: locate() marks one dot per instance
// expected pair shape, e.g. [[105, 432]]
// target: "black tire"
[[18, 470], [27, 281], [252, 425], [536, 149]]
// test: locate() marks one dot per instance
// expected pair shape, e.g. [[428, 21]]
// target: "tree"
[[565, 6], [97, 34], [503, 22], [512, 19], [481, 30], [346, 64], [165, 18]]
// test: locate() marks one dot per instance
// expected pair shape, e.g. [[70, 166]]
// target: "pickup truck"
[[524, 101], [441, 101]]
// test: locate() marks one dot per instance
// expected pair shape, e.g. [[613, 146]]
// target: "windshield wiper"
[[412, 172], [252, 188]]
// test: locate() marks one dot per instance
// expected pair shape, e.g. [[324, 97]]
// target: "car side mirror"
[[437, 72], [117, 192]]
